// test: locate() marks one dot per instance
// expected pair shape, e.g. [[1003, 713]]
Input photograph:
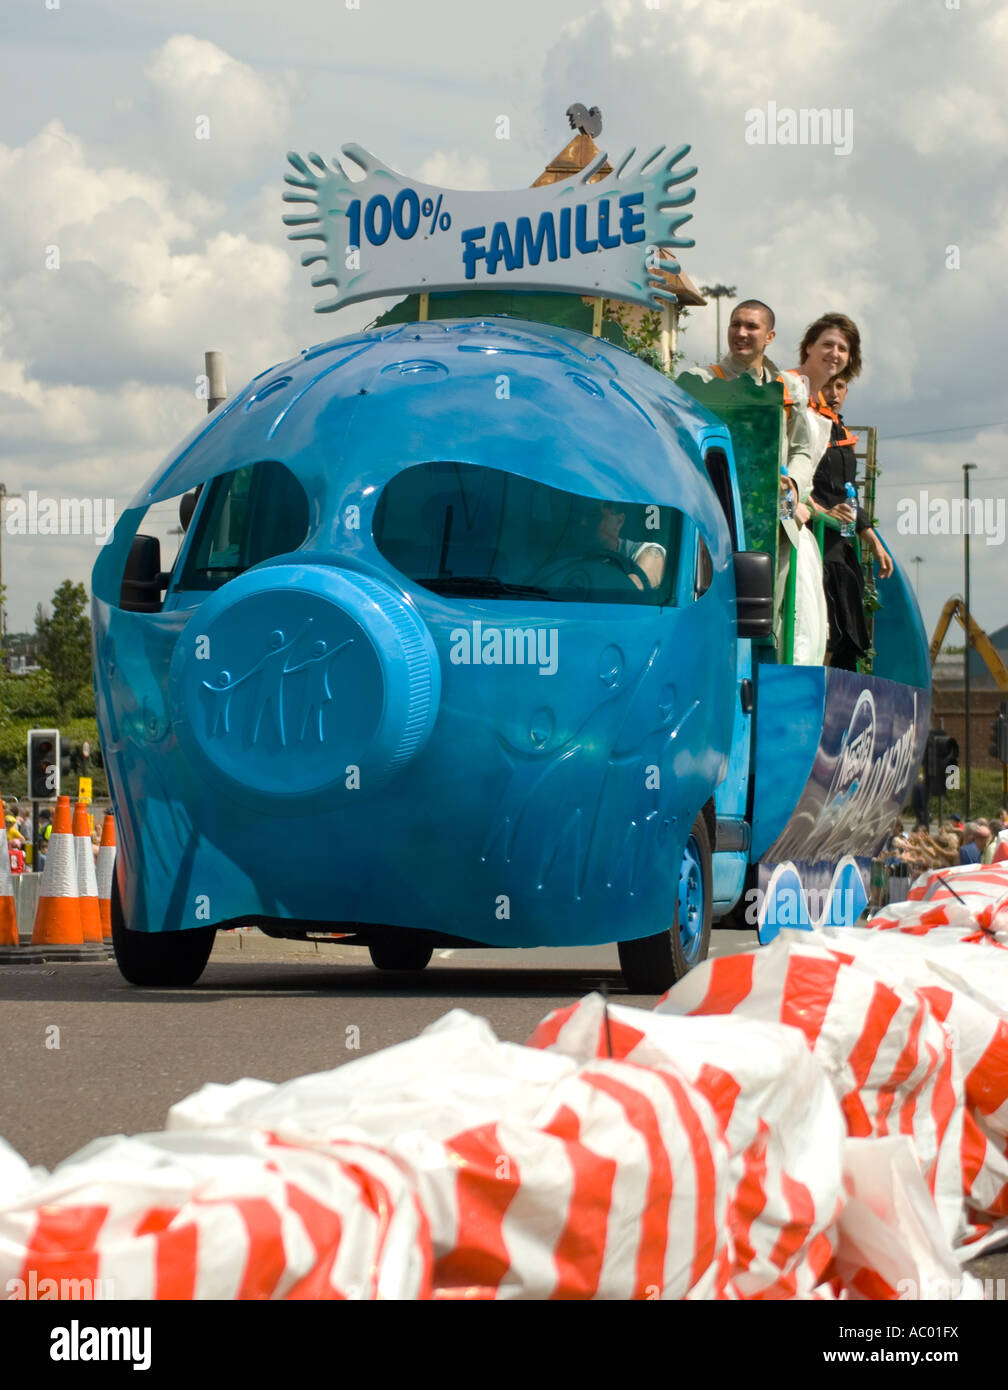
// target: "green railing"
[[871, 598]]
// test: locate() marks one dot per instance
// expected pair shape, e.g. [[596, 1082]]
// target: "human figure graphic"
[[222, 689], [317, 693], [270, 670]]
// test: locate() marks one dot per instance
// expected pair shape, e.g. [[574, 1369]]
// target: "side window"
[[458, 528], [250, 515], [720, 476], [704, 569]]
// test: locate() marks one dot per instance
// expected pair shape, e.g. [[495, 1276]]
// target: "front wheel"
[[652, 964], [400, 954], [170, 958]]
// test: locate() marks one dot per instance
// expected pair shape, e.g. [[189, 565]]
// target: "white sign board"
[[384, 234]]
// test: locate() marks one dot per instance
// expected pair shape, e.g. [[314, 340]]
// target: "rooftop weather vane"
[[587, 119]]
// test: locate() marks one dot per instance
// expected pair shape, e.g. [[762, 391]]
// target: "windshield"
[[251, 515], [457, 528]]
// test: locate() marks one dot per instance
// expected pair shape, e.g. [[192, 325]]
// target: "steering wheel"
[[576, 569]]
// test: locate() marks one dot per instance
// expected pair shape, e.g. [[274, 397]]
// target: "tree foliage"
[[643, 334], [65, 646]]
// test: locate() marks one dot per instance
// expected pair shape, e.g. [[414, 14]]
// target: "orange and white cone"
[[105, 870], [87, 883], [58, 917], [8, 912]]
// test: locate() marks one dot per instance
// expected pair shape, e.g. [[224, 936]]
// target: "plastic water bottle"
[[786, 511], [847, 527]]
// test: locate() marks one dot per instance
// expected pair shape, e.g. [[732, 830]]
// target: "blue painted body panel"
[[299, 744]]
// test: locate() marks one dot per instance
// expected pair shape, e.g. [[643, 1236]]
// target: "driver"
[[648, 556]]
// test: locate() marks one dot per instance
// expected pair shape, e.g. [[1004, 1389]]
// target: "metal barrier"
[[26, 892], [889, 882]]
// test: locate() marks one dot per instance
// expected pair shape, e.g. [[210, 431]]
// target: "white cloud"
[[119, 270], [191, 80], [450, 169]]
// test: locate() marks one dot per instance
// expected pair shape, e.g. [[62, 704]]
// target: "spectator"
[[995, 827], [975, 839], [17, 858]]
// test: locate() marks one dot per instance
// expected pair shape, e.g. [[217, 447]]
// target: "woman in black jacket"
[[842, 576]]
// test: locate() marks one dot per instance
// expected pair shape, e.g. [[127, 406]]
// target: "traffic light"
[[999, 734], [43, 764], [941, 753]]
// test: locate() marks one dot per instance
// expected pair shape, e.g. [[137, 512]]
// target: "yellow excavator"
[[955, 608]]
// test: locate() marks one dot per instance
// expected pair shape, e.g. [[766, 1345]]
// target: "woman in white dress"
[[831, 347]]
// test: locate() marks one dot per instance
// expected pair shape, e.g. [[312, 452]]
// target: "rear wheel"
[[170, 958], [654, 963], [401, 954]]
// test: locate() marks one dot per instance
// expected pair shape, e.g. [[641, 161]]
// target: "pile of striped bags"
[[825, 1117]]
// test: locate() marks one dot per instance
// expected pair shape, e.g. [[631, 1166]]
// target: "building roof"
[[576, 155]]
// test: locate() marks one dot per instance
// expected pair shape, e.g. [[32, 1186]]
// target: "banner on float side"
[[870, 747], [386, 234]]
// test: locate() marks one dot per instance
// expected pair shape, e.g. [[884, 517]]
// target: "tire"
[[158, 959], [652, 964], [400, 954]]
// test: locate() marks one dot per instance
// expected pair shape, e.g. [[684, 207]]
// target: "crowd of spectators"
[[954, 842], [20, 845]]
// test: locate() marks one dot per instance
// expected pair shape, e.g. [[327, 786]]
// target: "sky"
[[128, 245]]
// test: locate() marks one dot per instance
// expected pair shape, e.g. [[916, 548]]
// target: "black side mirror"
[[187, 505], [754, 589], [143, 581]]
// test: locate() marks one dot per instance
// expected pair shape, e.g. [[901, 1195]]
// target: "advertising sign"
[[871, 747], [385, 234]]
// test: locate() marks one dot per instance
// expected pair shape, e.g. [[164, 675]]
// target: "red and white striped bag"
[[619, 1191], [541, 1179], [230, 1214], [769, 1095], [891, 1242], [982, 889], [885, 1051], [967, 991]]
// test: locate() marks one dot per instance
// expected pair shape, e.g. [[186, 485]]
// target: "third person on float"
[[842, 573]]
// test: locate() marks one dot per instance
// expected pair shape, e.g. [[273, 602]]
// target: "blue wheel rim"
[[691, 902]]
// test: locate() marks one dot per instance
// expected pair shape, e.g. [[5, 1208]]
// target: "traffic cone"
[[8, 912], [106, 868], [58, 917], [87, 883]]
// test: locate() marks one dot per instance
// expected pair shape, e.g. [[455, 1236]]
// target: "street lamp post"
[[717, 293], [966, 651], [917, 561], [4, 497]]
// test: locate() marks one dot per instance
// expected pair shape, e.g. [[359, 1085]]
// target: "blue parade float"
[[465, 644]]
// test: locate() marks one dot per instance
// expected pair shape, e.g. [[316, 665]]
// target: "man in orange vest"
[[750, 332]]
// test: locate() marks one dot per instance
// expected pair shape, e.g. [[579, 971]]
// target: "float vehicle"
[[468, 643]]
